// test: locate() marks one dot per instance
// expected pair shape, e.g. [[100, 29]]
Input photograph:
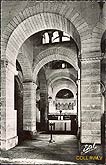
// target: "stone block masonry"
[[91, 109]]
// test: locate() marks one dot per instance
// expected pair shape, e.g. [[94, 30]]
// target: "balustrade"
[[65, 105]]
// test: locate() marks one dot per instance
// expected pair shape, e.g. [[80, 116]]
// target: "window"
[[52, 36], [55, 37], [45, 38], [64, 93]]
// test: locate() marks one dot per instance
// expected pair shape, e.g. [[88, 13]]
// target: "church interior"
[[53, 72]]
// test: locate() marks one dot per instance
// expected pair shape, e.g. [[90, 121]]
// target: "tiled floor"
[[64, 150]]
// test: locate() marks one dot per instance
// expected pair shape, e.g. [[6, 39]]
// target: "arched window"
[[64, 93], [52, 36], [55, 37], [45, 38], [65, 37]]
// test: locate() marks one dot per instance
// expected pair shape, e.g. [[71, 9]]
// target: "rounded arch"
[[38, 17], [35, 18], [93, 43], [35, 24], [25, 65], [64, 84], [71, 78], [52, 54], [62, 87], [62, 74], [64, 93], [56, 82]]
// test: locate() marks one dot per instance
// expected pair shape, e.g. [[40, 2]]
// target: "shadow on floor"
[[65, 148]]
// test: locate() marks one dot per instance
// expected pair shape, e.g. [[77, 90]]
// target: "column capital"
[[91, 56], [9, 66], [91, 59], [4, 62], [30, 82]]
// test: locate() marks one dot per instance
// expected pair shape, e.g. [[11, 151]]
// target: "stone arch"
[[63, 74], [72, 84], [52, 54], [26, 67], [64, 84], [34, 24], [93, 42], [64, 87], [71, 78], [60, 94], [67, 19]]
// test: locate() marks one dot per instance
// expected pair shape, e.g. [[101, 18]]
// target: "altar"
[[63, 115], [61, 125]]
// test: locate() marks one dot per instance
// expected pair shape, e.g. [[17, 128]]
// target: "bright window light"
[[55, 37], [63, 65], [65, 34], [65, 38], [45, 38]]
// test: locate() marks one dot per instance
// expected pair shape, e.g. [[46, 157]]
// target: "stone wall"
[[85, 28], [90, 102]]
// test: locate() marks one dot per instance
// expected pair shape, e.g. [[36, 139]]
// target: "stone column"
[[78, 97], [60, 36], [50, 33], [91, 109], [105, 81], [9, 137], [29, 108], [103, 77], [103, 86], [43, 109]]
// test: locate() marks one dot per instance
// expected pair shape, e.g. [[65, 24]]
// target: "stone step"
[[57, 138]]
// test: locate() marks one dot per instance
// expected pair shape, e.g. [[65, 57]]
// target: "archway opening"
[[62, 61], [66, 105], [48, 94], [55, 54], [18, 101]]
